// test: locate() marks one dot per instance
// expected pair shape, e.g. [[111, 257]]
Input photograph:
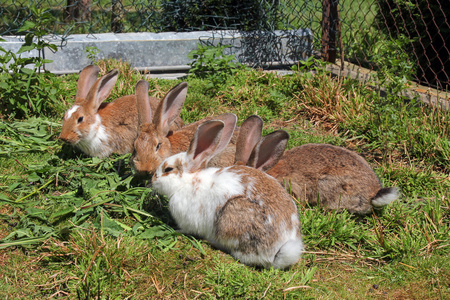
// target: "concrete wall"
[[152, 51]]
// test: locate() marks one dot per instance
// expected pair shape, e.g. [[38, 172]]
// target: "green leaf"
[[27, 71], [112, 226], [13, 186], [37, 213], [27, 25], [26, 241], [4, 85], [33, 177], [60, 213], [26, 48], [3, 197], [155, 231]]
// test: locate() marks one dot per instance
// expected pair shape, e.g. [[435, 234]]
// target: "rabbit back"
[[260, 226], [334, 176]]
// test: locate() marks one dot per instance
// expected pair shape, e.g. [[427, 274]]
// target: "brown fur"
[[146, 160], [260, 212], [122, 130], [118, 117], [334, 176]]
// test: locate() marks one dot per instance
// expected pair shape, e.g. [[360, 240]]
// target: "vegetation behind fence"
[[357, 31]]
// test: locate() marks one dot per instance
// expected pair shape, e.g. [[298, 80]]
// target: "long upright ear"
[[170, 107], [143, 103], [101, 90], [204, 144], [229, 121], [249, 135], [269, 150], [88, 77]]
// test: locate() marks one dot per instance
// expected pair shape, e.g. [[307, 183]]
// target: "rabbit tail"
[[288, 254], [385, 196]]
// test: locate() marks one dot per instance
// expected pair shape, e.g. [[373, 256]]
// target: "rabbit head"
[[155, 140], [82, 124], [153, 144]]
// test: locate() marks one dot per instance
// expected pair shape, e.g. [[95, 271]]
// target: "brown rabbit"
[[97, 128], [333, 176], [155, 140], [238, 209]]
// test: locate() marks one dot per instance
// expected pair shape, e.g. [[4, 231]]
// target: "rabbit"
[[100, 129], [333, 176], [238, 209], [155, 141]]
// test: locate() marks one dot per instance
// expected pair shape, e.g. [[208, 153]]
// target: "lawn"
[[86, 228]]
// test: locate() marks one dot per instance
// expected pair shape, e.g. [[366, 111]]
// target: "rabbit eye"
[[158, 146], [80, 119], [167, 170]]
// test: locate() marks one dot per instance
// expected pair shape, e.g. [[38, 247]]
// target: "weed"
[[92, 53], [211, 63], [26, 91]]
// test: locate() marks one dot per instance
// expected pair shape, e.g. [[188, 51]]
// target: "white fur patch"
[[71, 111], [386, 199], [194, 207], [96, 141]]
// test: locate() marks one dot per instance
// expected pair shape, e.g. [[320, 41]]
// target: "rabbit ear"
[[229, 121], [249, 135], [170, 107], [88, 77], [101, 90], [204, 144], [143, 103], [269, 150]]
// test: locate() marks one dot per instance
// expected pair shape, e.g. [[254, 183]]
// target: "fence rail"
[[357, 31]]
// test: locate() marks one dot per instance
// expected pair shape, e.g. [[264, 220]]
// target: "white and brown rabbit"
[[156, 141], [333, 176], [239, 209], [97, 128]]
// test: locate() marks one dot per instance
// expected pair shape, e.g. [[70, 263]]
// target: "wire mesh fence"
[[357, 31]]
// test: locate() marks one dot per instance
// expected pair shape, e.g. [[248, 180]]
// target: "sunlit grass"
[[84, 227]]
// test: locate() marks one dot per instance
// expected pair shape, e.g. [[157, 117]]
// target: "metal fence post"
[[78, 10], [330, 27], [117, 15]]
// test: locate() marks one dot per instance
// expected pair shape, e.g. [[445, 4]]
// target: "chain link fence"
[[357, 31]]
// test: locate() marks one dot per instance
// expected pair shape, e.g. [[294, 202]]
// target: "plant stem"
[[35, 191]]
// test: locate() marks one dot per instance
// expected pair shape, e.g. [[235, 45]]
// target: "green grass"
[[86, 228]]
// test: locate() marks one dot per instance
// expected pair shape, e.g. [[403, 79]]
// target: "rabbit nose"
[[63, 138]]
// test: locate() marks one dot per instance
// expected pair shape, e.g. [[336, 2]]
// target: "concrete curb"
[[155, 51]]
